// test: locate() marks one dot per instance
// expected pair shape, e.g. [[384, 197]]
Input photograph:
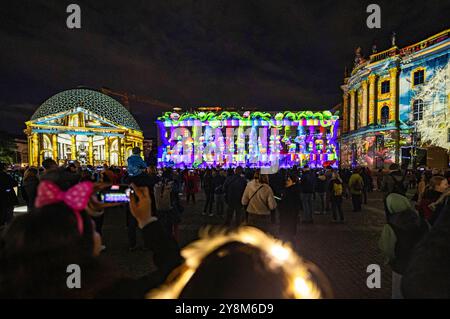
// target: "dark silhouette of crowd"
[[36, 247]]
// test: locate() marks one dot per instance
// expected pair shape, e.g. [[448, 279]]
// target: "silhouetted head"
[[136, 150], [245, 263]]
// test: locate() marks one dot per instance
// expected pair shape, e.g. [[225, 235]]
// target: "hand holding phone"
[[140, 205]]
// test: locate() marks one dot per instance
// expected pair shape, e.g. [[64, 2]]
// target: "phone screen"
[[116, 194]]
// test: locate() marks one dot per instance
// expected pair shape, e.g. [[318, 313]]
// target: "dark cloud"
[[269, 54]]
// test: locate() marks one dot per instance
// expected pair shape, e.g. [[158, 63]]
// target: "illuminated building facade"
[[83, 125], [396, 104], [254, 139]]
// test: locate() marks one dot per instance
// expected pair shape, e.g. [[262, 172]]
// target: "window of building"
[[384, 115], [385, 87], [418, 110], [419, 77]]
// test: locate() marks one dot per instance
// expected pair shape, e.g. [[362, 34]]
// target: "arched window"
[[384, 115], [418, 110]]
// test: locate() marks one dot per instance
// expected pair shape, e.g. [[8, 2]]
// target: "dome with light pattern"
[[91, 100]]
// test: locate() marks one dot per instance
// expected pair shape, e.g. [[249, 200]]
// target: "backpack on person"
[[399, 186], [337, 189], [162, 192]]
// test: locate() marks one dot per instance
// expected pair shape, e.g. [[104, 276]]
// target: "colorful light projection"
[[254, 139]]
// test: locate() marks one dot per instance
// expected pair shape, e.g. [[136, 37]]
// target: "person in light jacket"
[[259, 199]]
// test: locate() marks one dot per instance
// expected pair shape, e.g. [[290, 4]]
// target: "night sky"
[[274, 55]]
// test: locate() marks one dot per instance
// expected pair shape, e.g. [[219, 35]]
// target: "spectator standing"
[[366, 183], [191, 186], [288, 208], [356, 185], [29, 186], [320, 189], [437, 186], [307, 186], [336, 190], [395, 181], [8, 197], [259, 200], [208, 187], [403, 230], [219, 194], [234, 187]]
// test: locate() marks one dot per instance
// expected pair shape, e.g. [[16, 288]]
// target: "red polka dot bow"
[[76, 197]]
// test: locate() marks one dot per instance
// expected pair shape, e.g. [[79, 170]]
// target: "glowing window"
[[384, 115], [418, 110], [419, 77], [385, 87]]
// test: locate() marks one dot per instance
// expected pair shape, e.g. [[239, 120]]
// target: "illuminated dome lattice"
[[91, 100]]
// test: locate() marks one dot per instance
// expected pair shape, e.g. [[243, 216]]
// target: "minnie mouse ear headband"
[[76, 198]]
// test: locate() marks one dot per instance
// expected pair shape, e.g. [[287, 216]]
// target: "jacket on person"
[[308, 182], [29, 187], [8, 195], [166, 257], [289, 206], [356, 184], [218, 181], [321, 183], [136, 165], [429, 197], [404, 229], [234, 187], [191, 184], [331, 189], [393, 182], [258, 198], [428, 272]]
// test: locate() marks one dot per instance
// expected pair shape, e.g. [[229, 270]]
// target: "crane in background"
[[126, 98]]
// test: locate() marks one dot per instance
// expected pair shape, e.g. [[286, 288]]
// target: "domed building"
[[84, 125]]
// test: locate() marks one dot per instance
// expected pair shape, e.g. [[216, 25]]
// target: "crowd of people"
[[65, 217]]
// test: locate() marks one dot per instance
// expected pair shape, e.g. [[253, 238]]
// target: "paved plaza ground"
[[342, 251]]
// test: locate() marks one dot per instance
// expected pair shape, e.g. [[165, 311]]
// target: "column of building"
[[352, 109], [73, 147], [345, 115], [55, 147], [107, 156], [365, 106], [373, 112], [91, 150], [394, 112], [35, 151]]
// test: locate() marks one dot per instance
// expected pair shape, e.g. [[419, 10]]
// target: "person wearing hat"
[[403, 230]]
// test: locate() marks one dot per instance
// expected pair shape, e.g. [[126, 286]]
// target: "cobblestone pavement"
[[342, 251]]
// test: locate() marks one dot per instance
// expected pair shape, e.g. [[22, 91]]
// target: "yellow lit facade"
[[396, 106], [83, 125]]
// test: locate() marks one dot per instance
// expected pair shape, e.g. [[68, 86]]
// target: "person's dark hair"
[[239, 271], [37, 248], [428, 271], [60, 177], [136, 150], [292, 176], [49, 163], [30, 173], [238, 170], [235, 270]]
